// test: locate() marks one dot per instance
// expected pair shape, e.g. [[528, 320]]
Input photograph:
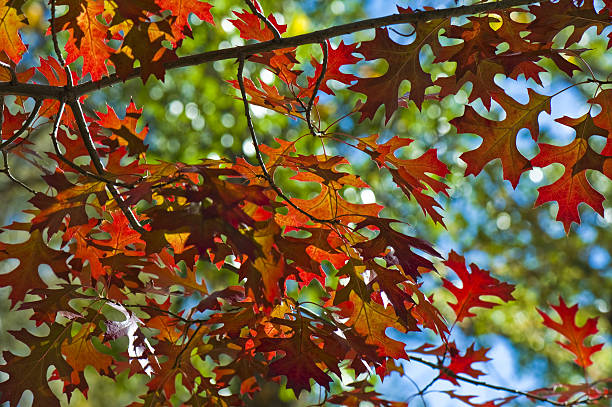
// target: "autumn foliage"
[[128, 237]]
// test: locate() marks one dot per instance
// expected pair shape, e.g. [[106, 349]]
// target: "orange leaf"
[[90, 42], [10, 40], [181, 9]]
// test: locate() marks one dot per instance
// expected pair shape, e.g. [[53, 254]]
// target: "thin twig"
[[263, 18], [316, 88], [79, 169], [532, 396], [262, 165], [25, 125], [180, 354], [428, 385], [10, 176], [402, 34], [151, 307], [77, 111], [11, 72], [420, 393], [608, 82], [56, 47]]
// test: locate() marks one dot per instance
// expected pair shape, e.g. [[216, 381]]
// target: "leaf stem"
[[316, 88], [266, 21], [266, 175]]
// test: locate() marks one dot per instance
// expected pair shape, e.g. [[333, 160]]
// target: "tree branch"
[[56, 47], [58, 152], [56, 92], [77, 111], [532, 396]]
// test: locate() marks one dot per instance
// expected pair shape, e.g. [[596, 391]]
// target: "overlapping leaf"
[[31, 254], [499, 138], [573, 188], [410, 175], [231, 218], [403, 64]]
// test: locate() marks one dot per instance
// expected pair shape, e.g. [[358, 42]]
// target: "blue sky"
[[503, 369]]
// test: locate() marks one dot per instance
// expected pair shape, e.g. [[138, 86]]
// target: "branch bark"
[[56, 92], [77, 111], [475, 382]]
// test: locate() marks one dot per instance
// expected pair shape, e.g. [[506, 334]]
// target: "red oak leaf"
[[135, 10], [11, 123], [573, 187], [269, 97], [252, 28], [604, 118], [303, 355], [479, 43], [53, 302], [168, 274], [361, 392], [569, 191], [410, 175], [462, 364], [575, 335], [80, 353], [401, 245], [146, 45], [499, 138], [336, 59], [553, 17], [564, 392], [328, 204], [44, 352], [122, 238], [403, 64], [31, 254], [425, 312], [71, 200], [475, 284], [371, 320], [124, 130]]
